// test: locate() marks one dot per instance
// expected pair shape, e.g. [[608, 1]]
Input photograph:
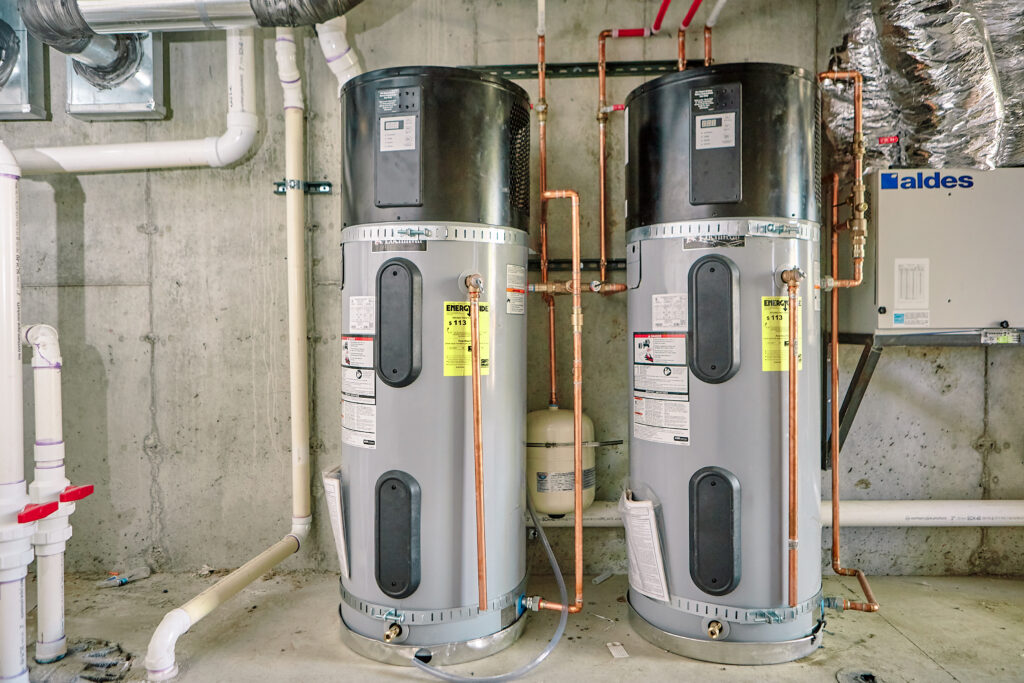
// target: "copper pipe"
[[858, 227], [566, 287], [792, 279], [707, 46], [542, 144], [681, 49], [577, 403], [602, 162], [474, 283]]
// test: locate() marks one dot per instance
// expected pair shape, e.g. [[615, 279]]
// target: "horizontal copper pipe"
[[566, 287]]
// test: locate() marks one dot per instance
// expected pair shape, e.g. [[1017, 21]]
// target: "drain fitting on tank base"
[[393, 632]]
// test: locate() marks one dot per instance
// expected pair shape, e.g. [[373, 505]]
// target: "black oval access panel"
[[713, 344], [398, 534], [398, 353], [715, 530]]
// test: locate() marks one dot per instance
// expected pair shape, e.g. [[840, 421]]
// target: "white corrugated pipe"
[[231, 146], [15, 537], [160, 658], [50, 485], [340, 56]]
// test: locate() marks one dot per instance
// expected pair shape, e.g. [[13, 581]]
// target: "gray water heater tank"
[[436, 187], [722, 195]]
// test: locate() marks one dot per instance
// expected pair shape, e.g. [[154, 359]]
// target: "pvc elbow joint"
[[45, 345], [160, 664], [236, 141]]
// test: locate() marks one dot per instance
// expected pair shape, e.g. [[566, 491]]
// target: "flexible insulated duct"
[[1004, 20], [943, 81], [861, 52]]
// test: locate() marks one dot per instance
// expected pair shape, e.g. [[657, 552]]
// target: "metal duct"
[[943, 80], [10, 48], [115, 16], [1004, 20], [861, 51], [104, 61]]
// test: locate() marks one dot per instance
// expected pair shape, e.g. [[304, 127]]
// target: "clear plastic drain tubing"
[[562, 619]]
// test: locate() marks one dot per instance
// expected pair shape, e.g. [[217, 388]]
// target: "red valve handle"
[[73, 493], [34, 512]]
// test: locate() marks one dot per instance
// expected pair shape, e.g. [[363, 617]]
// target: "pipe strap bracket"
[[430, 617], [778, 615]]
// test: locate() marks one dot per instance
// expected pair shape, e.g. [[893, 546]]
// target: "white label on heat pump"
[[668, 312], [911, 285], [643, 547], [362, 314]]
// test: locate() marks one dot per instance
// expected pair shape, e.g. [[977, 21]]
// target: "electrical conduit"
[[215, 152], [160, 660]]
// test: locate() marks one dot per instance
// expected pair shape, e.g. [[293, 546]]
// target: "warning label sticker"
[[397, 133], [362, 314], [775, 333], [668, 311], [661, 399], [458, 360], [558, 482], [358, 392], [515, 289]]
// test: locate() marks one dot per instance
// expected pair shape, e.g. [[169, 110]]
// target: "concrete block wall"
[[169, 292]]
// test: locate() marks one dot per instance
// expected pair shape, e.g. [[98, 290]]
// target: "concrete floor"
[[285, 628]]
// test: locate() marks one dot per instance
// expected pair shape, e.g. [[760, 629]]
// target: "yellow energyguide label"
[[775, 333], [458, 358]]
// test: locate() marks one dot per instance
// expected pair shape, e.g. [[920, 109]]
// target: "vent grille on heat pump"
[[519, 159]]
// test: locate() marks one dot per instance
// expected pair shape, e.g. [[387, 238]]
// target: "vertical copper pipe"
[[707, 46], [602, 162], [542, 144], [577, 407], [474, 282], [858, 227], [792, 280], [681, 49]]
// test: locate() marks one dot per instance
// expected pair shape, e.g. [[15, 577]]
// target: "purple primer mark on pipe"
[[285, 40], [59, 465], [10, 175], [50, 443], [294, 80], [337, 57]]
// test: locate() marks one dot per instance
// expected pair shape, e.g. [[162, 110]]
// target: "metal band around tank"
[[429, 617], [752, 227], [433, 232], [725, 651], [437, 655], [744, 616]]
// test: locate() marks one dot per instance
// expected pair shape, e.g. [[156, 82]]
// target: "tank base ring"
[[440, 655], [725, 652]]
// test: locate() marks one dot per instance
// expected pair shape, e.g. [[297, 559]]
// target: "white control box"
[[945, 252]]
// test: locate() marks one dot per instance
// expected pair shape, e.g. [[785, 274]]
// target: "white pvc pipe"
[[341, 58], [230, 147], [49, 480], [15, 546], [929, 513], [160, 662], [865, 513], [13, 666], [12, 467]]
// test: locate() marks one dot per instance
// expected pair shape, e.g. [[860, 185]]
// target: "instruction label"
[[775, 333], [669, 311], [911, 283], [336, 511], [362, 314], [643, 547], [458, 359], [558, 482], [358, 392], [515, 289], [397, 133], [661, 398], [714, 131]]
